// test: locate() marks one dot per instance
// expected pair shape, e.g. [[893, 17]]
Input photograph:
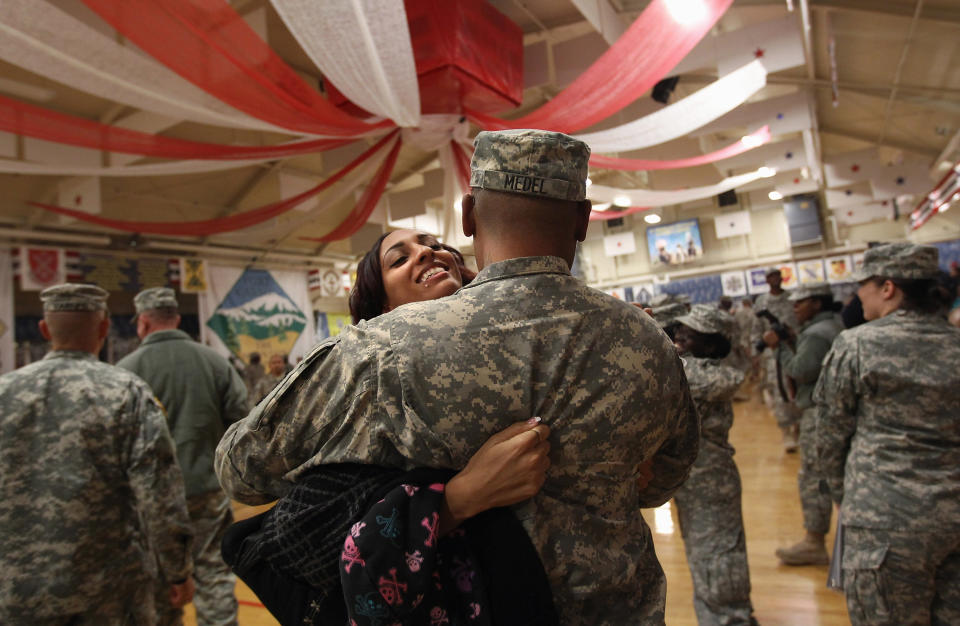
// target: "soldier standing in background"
[[93, 497], [777, 302], [888, 443], [709, 503], [252, 373], [429, 382], [801, 357], [202, 394], [278, 369]]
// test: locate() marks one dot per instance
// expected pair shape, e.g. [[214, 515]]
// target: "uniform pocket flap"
[[865, 559]]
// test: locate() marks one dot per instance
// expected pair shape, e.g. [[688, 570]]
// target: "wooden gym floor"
[[781, 595]]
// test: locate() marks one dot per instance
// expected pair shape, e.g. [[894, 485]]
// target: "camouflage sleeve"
[[234, 396], [836, 398], [804, 365], [672, 462], [157, 486], [323, 411], [713, 384]]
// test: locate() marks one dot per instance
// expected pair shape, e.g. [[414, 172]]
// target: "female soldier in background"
[[708, 504], [888, 443]]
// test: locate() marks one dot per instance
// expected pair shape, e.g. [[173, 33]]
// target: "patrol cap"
[[74, 297], [154, 298], [811, 290], [662, 299], [708, 319], [667, 314], [899, 260], [531, 162]]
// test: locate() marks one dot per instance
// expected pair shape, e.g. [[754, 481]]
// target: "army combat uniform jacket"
[[202, 394], [803, 364], [88, 476], [888, 433], [428, 383]]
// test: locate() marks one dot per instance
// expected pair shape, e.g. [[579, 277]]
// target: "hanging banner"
[[732, 224], [788, 272], [621, 243], [734, 284], [193, 275], [839, 269], [331, 324], [7, 346], [811, 271], [757, 281], [41, 268], [256, 310]]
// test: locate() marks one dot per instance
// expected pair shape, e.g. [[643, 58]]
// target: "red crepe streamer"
[[33, 121], [614, 163], [222, 224], [609, 215], [461, 162], [368, 202], [209, 43], [651, 47]]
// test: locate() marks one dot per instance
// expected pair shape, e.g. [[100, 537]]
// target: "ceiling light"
[[943, 207], [687, 12], [621, 201], [805, 172], [589, 182], [603, 206], [775, 195], [766, 172], [651, 218], [751, 141]]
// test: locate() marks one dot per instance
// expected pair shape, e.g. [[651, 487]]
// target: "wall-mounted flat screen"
[[674, 244]]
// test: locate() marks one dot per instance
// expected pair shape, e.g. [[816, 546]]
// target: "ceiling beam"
[[604, 18], [899, 145], [876, 7]]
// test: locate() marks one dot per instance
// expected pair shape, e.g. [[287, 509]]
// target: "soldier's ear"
[[468, 220], [44, 329]]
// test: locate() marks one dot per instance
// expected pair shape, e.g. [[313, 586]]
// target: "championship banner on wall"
[[734, 284], [839, 269], [256, 310], [811, 271], [330, 324], [193, 275], [41, 268]]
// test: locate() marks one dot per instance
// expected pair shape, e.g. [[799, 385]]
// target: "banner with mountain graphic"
[[256, 310]]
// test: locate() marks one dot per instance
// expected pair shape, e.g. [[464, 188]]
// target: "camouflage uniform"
[[202, 394], [888, 445], [802, 364], [429, 382], [780, 306], [89, 482], [708, 504], [263, 387]]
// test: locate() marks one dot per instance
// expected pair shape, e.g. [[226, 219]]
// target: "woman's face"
[[415, 268], [685, 339]]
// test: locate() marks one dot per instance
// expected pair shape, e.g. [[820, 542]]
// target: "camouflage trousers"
[[131, 608], [784, 412], [902, 577], [215, 599], [711, 522], [814, 497]]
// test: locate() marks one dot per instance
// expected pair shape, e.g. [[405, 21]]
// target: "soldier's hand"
[[182, 594], [645, 474], [509, 468], [771, 339]]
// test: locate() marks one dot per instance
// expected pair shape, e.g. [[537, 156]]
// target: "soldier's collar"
[[521, 267], [69, 354]]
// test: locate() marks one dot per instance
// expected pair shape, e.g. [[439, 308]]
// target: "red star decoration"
[[884, 203], [78, 200], [849, 213], [796, 181], [758, 53], [855, 168]]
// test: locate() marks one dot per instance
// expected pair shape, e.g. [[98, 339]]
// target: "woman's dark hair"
[[710, 345], [367, 297], [924, 295], [827, 303]]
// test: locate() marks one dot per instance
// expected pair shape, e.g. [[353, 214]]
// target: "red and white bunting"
[[909, 177], [80, 194], [851, 167], [786, 114], [776, 44], [850, 196], [732, 224]]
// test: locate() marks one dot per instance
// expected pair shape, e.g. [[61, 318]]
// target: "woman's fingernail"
[[534, 420]]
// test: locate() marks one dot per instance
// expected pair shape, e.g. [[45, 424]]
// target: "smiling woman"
[[403, 266]]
